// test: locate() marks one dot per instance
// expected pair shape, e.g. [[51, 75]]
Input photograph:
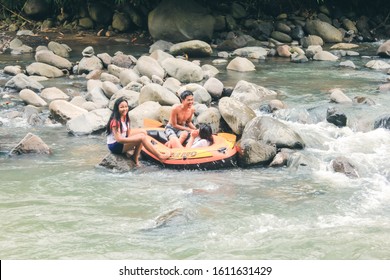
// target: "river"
[[63, 207]]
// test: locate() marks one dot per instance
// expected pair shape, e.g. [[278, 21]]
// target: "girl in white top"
[[203, 137], [120, 139]]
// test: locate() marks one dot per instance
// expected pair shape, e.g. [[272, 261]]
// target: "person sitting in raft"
[[203, 137], [180, 123], [121, 139]]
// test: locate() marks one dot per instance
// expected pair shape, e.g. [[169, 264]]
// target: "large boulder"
[[48, 57], [326, 31], [146, 110], [59, 49], [241, 64], [235, 113], [272, 132], [148, 66], [251, 94], [183, 70], [53, 93], [30, 97], [160, 94], [21, 81], [177, 21], [90, 122], [251, 152], [201, 95], [193, 48], [63, 110], [100, 12], [88, 64], [384, 49], [131, 96], [36, 9], [43, 69], [212, 117]]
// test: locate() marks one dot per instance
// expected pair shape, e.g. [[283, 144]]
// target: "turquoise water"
[[63, 207]]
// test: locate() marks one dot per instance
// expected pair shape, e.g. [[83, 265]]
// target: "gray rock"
[[53, 93], [43, 69], [241, 64], [312, 40], [251, 94], [51, 58], [59, 49], [281, 37], [325, 56], [146, 110], [31, 143], [184, 71], [89, 64], [235, 113], [63, 110], [13, 70], [273, 132], [122, 60], [214, 87], [149, 66], [117, 163], [343, 165], [337, 96], [384, 49], [210, 116], [88, 123], [155, 92], [172, 20], [335, 117], [252, 152], [383, 121], [326, 31], [192, 48], [21, 81], [30, 97], [131, 96]]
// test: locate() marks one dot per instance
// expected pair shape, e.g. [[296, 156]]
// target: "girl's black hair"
[[205, 132], [184, 94], [115, 115]]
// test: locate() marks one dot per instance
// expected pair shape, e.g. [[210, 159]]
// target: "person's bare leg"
[[174, 142], [183, 137], [136, 154], [150, 148]]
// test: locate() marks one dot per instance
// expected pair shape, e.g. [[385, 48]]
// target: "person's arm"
[[191, 140], [117, 133]]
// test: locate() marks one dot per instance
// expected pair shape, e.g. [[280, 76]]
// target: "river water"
[[63, 207]]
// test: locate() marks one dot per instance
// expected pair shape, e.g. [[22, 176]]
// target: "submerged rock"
[[383, 121], [337, 118], [342, 165]]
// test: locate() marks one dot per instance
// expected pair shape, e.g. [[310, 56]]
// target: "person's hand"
[[194, 133]]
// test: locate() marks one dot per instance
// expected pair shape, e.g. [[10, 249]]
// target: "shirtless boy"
[[180, 123]]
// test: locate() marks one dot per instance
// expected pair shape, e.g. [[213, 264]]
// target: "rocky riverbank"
[[151, 83]]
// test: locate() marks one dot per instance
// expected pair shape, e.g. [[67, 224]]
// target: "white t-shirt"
[[111, 137], [199, 142]]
